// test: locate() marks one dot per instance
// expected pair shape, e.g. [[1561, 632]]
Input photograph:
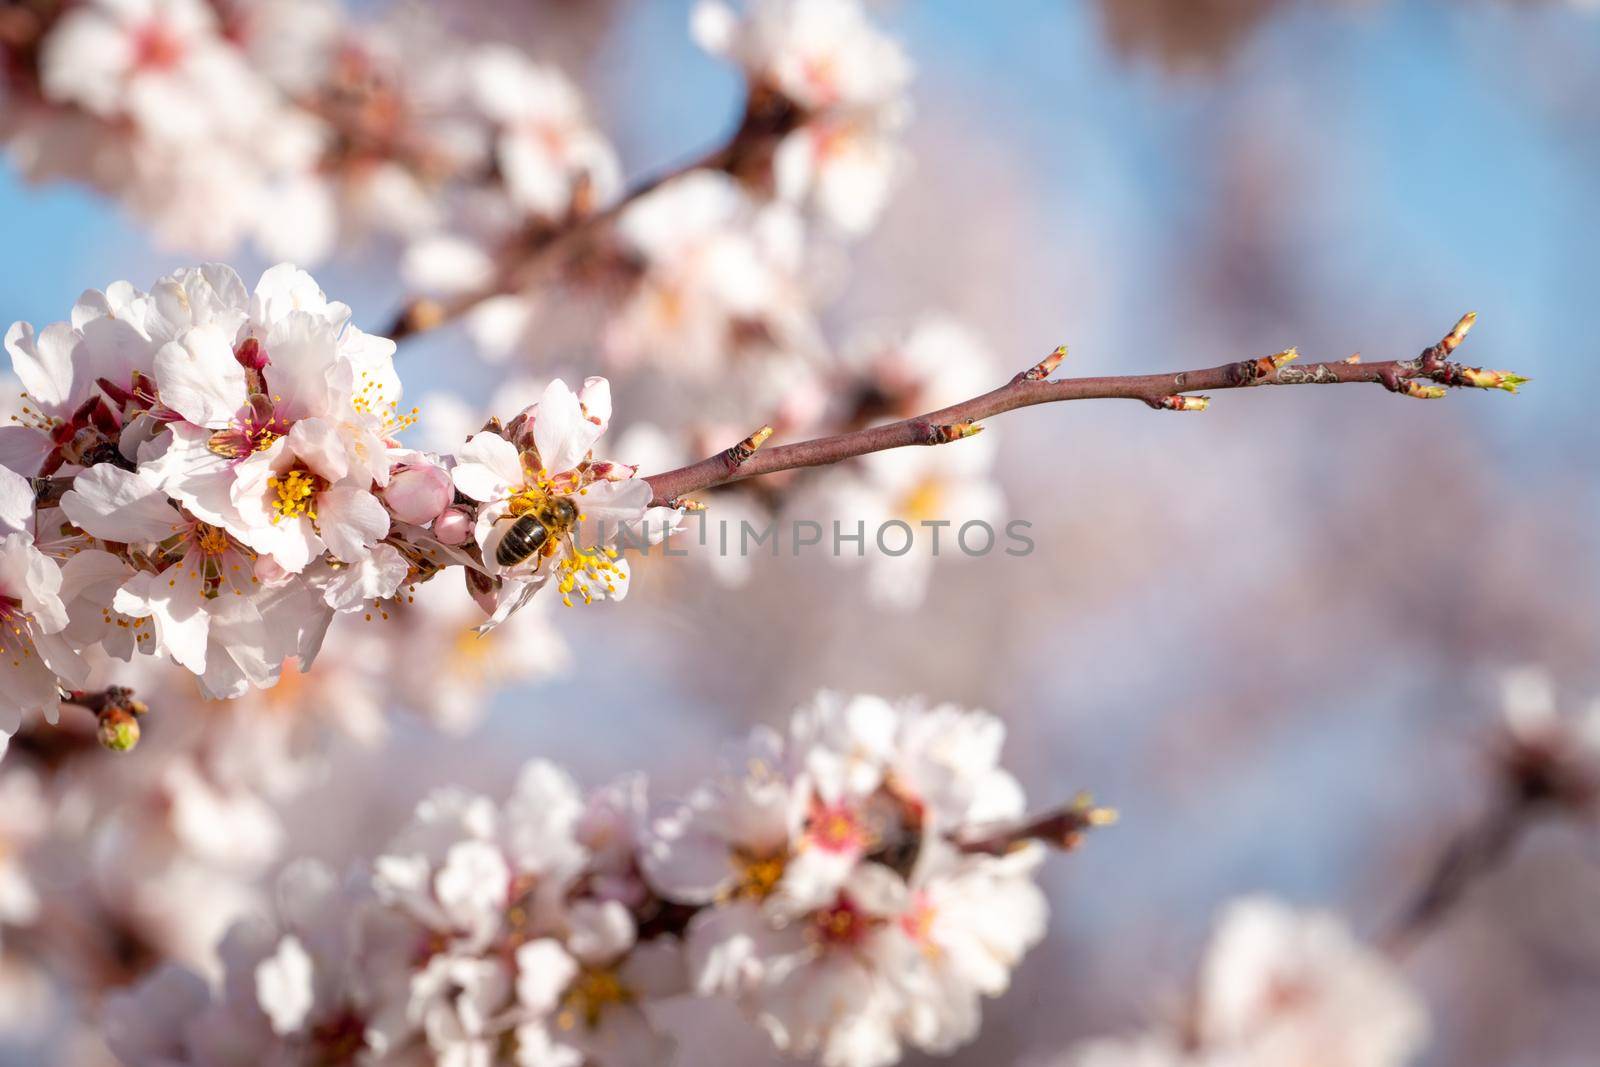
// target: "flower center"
[[155, 47], [918, 921], [340, 1039], [758, 875], [842, 923], [589, 995], [213, 541], [585, 569], [296, 494], [922, 501], [369, 401], [837, 828], [14, 642]]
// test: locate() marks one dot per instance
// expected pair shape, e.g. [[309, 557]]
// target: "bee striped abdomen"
[[522, 539]]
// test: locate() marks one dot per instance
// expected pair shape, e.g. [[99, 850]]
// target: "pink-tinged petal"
[[607, 506], [33, 578], [560, 431], [304, 351], [175, 604], [285, 289], [488, 467], [199, 378], [62, 659], [112, 504], [599, 932], [351, 520], [654, 969], [685, 863], [23, 450], [595, 396], [284, 986], [89, 581], [318, 444], [16, 501], [727, 949], [44, 365], [92, 304], [377, 577], [543, 972], [292, 543], [512, 596], [193, 475], [113, 349], [452, 527], [418, 493], [812, 879]]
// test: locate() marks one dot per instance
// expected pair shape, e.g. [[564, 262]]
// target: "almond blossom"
[[546, 930], [548, 150], [719, 276], [915, 505], [36, 660], [544, 461], [847, 924], [1279, 985], [848, 80]]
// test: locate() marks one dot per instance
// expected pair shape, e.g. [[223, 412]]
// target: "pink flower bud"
[[251, 355], [417, 493], [452, 527]]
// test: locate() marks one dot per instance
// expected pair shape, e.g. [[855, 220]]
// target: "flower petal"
[[488, 467], [200, 379], [560, 430], [350, 520], [112, 504]]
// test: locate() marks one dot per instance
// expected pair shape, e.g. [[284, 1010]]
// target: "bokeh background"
[[1269, 634]]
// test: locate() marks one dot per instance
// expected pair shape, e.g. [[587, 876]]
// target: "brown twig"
[[1539, 777], [1061, 828], [1471, 854], [1160, 391]]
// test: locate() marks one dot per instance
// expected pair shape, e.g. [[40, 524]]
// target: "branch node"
[[740, 453], [941, 434], [1180, 403], [1063, 828], [1458, 333], [1045, 367], [418, 316], [117, 711]]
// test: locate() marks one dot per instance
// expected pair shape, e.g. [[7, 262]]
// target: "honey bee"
[[535, 531]]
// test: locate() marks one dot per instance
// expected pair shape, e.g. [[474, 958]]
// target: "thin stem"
[[1160, 391], [1470, 855]]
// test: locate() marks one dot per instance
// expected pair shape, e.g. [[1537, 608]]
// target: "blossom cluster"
[[283, 122], [291, 125], [234, 480], [825, 880], [1277, 986]]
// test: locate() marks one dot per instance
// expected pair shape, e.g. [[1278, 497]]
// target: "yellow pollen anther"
[[297, 495]]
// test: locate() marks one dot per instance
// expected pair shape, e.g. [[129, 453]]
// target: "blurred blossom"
[[1282, 986], [842, 907]]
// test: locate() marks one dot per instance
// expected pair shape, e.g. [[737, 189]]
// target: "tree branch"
[[1030, 387], [1471, 854], [1062, 828]]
